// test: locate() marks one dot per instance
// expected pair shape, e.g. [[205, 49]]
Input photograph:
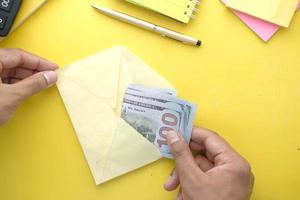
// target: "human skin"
[[22, 75], [214, 171]]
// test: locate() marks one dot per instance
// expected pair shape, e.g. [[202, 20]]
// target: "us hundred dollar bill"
[[150, 90], [154, 112], [188, 109]]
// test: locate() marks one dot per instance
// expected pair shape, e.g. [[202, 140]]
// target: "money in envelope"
[[97, 91], [153, 112]]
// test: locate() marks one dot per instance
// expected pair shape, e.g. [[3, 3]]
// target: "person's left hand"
[[21, 76]]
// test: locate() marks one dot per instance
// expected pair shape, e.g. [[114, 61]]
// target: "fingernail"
[[51, 77], [173, 137], [169, 181]]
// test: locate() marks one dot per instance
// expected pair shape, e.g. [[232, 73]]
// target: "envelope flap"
[[97, 74], [135, 70], [129, 151], [94, 122], [140, 72]]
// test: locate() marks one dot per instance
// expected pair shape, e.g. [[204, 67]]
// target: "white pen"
[[148, 26]]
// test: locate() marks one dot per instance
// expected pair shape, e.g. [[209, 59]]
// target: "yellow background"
[[247, 90]]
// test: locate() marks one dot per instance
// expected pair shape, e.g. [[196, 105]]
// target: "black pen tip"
[[199, 43]]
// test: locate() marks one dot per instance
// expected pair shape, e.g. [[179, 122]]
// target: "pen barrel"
[[176, 36], [148, 26], [136, 22], [127, 18]]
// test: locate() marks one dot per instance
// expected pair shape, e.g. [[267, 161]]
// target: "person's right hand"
[[217, 172]]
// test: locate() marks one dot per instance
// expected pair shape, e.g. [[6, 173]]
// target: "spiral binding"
[[189, 5], [192, 9]]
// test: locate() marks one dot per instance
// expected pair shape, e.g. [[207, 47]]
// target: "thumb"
[[186, 165], [35, 84]]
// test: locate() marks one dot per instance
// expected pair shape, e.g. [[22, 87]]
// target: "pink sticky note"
[[265, 30]]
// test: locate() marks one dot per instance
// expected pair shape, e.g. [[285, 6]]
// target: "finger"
[[13, 80], [11, 58], [172, 182], [35, 84], [1, 70], [5, 80], [204, 163], [214, 145], [17, 74], [186, 166], [179, 196], [9, 80], [5, 73], [22, 73], [197, 147]]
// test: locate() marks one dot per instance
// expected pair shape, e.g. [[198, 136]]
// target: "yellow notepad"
[[279, 12], [181, 10], [28, 7]]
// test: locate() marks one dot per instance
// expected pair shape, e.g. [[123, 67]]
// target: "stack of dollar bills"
[[153, 112]]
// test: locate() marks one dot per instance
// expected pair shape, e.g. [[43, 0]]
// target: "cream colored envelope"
[[92, 90]]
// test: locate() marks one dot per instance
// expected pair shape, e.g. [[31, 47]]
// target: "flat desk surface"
[[247, 90]]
